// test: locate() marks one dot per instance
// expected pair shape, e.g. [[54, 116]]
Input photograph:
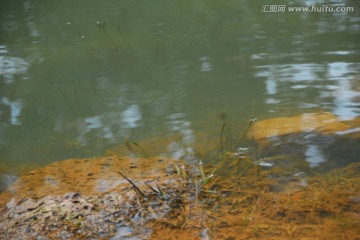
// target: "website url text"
[[295, 9]]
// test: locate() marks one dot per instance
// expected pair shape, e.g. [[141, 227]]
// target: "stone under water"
[[323, 122], [312, 138]]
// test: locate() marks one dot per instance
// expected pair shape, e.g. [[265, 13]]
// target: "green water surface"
[[77, 77]]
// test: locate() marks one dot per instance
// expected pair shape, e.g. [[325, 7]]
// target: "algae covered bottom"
[[149, 199]]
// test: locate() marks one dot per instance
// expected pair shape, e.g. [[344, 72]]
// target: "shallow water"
[[77, 78]]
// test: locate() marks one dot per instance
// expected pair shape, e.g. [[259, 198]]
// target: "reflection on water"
[[73, 88], [314, 155], [348, 131], [10, 66], [111, 126], [298, 78], [184, 145], [15, 108]]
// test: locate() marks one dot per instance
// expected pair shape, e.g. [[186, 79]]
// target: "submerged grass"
[[228, 156], [250, 206], [238, 198], [225, 134]]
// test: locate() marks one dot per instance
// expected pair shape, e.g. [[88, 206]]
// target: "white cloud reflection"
[[112, 126], [10, 66], [16, 107], [334, 80], [314, 155], [334, 86], [183, 148], [131, 116]]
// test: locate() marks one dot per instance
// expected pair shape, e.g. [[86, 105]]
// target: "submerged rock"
[[324, 123], [313, 137]]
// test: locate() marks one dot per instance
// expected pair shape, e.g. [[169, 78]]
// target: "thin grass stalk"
[[221, 150], [76, 94], [252, 119]]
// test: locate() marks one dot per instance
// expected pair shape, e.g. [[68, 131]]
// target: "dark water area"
[[77, 78]]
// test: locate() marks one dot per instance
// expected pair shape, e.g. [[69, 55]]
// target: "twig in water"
[[162, 193], [134, 186], [128, 145], [76, 94], [66, 98], [152, 189]]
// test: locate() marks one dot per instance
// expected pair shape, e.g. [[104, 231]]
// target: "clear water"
[[77, 77]]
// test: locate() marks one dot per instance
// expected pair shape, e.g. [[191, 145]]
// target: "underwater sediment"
[[147, 198]]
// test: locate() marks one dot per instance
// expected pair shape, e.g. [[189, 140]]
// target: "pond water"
[[77, 78]]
